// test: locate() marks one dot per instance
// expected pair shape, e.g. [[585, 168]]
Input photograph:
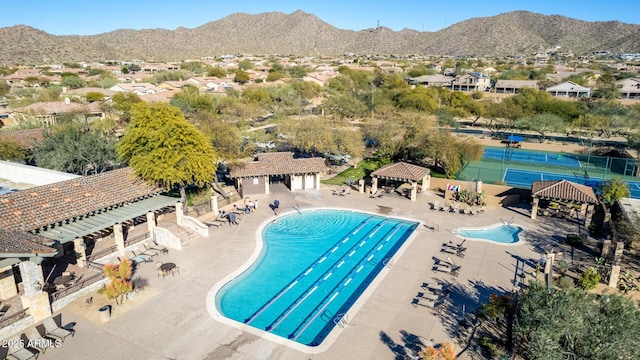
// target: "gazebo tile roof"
[[17, 242], [40, 206], [401, 170], [563, 190], [281, 163]]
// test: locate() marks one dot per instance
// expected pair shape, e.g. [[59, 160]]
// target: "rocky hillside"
[[300, 33]]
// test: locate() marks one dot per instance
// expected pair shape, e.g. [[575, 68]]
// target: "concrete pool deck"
[[170, 319]]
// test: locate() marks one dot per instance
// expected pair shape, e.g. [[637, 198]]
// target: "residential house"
[[81, 94], [48, 113], [514, 86], [136, 88], [433, 80], [25, 78], [569, 89], [473, 81], [629, 88], [173, 85]]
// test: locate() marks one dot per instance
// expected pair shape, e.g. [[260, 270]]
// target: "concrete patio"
[[169, 319]]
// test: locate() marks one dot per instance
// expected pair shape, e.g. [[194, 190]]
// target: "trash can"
[[105, 313]]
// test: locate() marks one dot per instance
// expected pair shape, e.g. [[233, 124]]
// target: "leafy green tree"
[[543, 124], [224, 136], [73, 82], [448, 152], [195, 67], [241, 77], [614, 190], [11, 151], [245, 64], [575, 324], [346, 106], [274, 75], [74, 148], [306, 89], [175, 75], [123, 102], [419, 70], [190, 101], [216, 71], [298, 72], [165, 149]]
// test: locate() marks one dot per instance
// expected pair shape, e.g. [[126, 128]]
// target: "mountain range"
[[300, 33]]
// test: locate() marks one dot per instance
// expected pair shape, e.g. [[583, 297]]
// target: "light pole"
[[589, 157]]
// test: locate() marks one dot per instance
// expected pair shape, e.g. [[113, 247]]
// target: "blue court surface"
[[524, 156], [524, 178]]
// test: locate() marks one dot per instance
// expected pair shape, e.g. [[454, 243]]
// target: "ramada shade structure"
[[563, 191], [404, 172]]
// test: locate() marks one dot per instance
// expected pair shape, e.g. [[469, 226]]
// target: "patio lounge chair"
[[4, 310], [453, 245], [453, 270], [19, 352], [148, 252], [426, 303], [37, 341], [156, 247], [428, 296], [53, 331], [137, 258]]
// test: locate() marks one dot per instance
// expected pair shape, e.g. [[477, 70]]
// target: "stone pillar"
[[179, 214], [361, 186], [587, 216], [214, 205], [479, 186], [534, 208], [80, 248], [151, 221], [317, 178], [414, 191], [39, 306], [118, 235], [32, 278], [617, 255], [606, 250], [374, 185], [8, 286], [426, 183], [615, 276], [266, 184]]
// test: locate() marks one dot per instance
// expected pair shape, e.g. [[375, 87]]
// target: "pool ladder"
[[340, 319], [508, 222]]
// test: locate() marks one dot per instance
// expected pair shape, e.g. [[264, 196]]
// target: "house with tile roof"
[[629, 88], [560, 197], [254, 177], [48, 113], [432, 80], [569, 89], [72, 225]]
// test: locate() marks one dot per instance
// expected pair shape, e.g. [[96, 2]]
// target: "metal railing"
[[77, 286], [102, 253], [136, 239], [8, 320]]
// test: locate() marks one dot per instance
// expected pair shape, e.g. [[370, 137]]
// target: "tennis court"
[[524, 178], [527, 156]]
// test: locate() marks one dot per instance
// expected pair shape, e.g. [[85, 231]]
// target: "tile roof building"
[[402, 172], [563, 191], [299, 174]]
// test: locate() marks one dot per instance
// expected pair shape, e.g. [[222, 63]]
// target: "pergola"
[[403, 172], [562, 192]]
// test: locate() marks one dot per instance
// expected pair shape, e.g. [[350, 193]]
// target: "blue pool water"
[[505, 234], [313, 267]]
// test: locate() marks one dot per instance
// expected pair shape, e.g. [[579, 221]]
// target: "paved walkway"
[[170, 320]]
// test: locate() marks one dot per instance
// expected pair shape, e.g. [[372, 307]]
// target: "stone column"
[[617, 255], [479, 186], [588, 215], [615, 276], [414, 191], [151, 221], [361, 186], [32, 278], [534, 208], [426, 183], [179, 214], [214, 205], [8, 286], [118, 235], [39, 306], [317, 178], [374, 185], [80, 248], [266, 184]]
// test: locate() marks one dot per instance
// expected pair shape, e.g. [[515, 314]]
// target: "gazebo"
[[559, 197], [403, 172]]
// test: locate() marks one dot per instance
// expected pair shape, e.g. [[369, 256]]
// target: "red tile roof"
[[26, 139], [17, 242], [280, 163], [41, 206], [563, 190], [401, 171]]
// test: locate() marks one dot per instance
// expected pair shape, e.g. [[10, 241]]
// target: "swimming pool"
[[313, 267], [499, 233]]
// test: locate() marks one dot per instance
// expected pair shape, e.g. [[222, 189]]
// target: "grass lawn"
[[364, 168]]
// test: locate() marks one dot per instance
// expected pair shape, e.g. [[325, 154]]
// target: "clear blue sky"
[[88, 17]]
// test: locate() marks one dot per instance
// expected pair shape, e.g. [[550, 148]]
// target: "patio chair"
[[37, 341], [158, 248], [161, 273], [53, 331], [148, 252], [69, 273], [137, 258], [175, 270], [428, 296], [19, 352], [4, 310]]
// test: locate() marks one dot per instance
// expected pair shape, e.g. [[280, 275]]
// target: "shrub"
[[565, 282], [590, 278], [486, 343], [574, 240]]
